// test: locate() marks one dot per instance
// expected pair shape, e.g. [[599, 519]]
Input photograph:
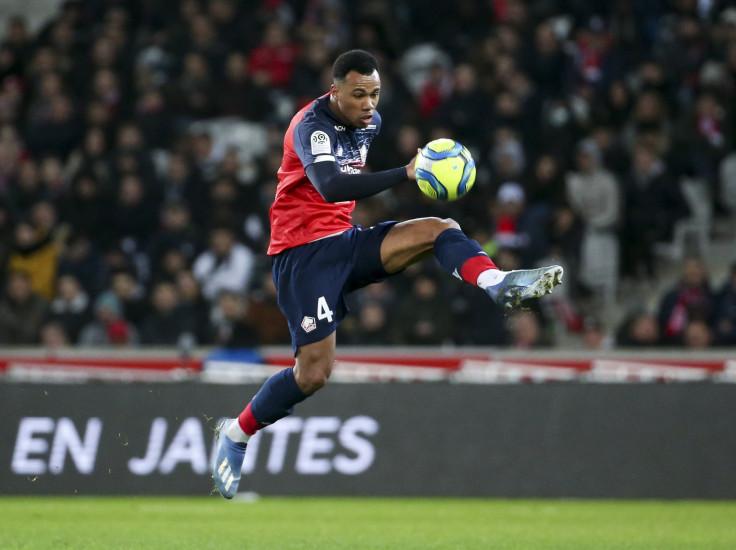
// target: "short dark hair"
[[354, 60]]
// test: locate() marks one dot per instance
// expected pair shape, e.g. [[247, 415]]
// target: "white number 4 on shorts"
[[323, 310]]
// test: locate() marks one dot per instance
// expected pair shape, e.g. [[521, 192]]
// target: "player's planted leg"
[[275, 400]]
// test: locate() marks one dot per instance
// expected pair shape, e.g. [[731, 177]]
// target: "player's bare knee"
[[429, 229], [312, 381], [449, 223], [442, 224], [312, 378]]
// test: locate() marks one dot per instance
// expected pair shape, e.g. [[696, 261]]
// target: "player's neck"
[[332, 103]]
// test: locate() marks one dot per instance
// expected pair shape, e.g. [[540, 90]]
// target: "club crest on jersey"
[[320, 143], [309, 324]]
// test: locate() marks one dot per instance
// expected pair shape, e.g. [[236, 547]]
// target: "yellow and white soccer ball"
[[445, 170]]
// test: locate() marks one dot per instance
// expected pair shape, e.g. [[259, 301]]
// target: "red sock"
[[475, 266], [247, 421]]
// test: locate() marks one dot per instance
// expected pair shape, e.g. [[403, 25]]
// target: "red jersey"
[[299, 214]]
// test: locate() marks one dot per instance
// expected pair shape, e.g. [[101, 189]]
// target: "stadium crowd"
[[128, 216]]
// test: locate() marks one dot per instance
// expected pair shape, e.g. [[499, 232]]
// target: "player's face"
[[354, 99]]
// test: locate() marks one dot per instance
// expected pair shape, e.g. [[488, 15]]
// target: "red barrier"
[[460, 365]]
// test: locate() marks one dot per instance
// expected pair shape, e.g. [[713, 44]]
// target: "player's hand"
[[410, 167]]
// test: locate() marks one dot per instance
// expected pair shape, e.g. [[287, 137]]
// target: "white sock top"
[[236, 433], [490, 277]]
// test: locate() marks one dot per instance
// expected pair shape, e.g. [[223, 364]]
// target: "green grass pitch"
[[358, 523]]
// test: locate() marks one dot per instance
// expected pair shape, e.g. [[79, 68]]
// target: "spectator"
[[653, 203], [17, 37], [130, 294], [194, 305], [225, 265], [54, 336], [527, 331], [371, 328], [421, 315], [514, 228], [474, 324], [308, 74], [35, 254], [154, 116], [273, 59], [57, 132], [509, 207], [697, 335], [82, 260], [725, 311], [166, 322], [70, 309], [690, 299], [465, 105], [182, 182], [204, 40], [194, 91], [233, 326], [52, 176], [265, 314], [45, 217], [28, 189], [21, 311], [639, 329], [134, 214], [91, 155], [544, 187], [207, 154], [225, 205], [86, 209], [109, 327], [547, 62], [6, 236], [11, 158], [595, 336], [594, 196], [244, 96], [176, 232]]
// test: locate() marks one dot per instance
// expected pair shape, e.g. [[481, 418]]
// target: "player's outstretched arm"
[[334, 186]]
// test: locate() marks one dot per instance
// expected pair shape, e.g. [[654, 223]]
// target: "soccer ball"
[[444, 169]]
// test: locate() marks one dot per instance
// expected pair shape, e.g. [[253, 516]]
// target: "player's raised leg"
[[410, 241], [275, 400]]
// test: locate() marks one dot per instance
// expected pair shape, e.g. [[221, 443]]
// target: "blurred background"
[[139, 143]]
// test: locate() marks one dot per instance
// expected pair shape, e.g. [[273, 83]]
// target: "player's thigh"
[[309, 281], [410, 241]]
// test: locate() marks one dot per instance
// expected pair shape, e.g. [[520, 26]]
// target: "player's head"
[[355, 88]]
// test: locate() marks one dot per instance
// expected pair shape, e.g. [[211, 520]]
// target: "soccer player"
[[318, 256]]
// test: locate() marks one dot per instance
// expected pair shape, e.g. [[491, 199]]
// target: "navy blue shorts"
[[312, 279]]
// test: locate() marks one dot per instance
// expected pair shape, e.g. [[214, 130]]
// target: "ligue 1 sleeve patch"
[[320, 143]]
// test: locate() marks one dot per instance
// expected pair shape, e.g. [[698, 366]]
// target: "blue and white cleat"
[[521, 284], [228, 462]]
